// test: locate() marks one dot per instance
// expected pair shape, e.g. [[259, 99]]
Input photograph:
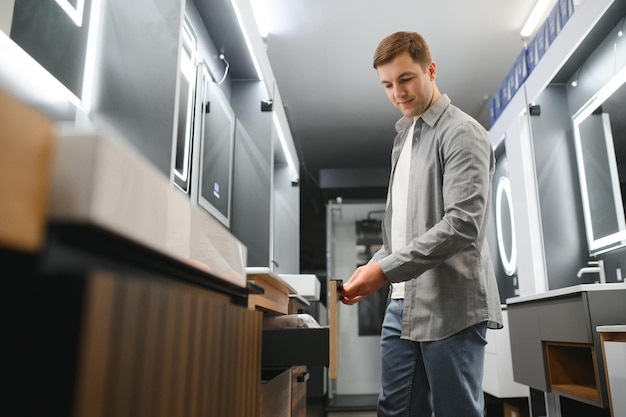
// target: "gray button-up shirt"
[[450, 283]]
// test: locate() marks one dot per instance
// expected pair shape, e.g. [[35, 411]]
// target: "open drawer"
[[310, 346], [287, 347]]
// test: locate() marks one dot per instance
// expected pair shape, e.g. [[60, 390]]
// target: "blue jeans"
[[419, 378]]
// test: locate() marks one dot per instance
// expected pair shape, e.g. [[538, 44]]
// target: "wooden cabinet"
[[104, 336], [151, 348], [287, 351], [280, 383], [283, 392]]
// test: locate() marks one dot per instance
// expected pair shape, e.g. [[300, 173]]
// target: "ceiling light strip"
[[283, 143], [246, 37], [535, 17]]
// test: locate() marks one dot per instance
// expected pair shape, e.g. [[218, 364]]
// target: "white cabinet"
[[498, 369]]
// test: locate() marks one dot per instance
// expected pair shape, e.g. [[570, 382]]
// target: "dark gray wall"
[[597, 68], [559, 196], [252, 177], [286, 235], [207, 51], [508, 286]]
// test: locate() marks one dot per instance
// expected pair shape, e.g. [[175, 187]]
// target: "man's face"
[[407, 85]]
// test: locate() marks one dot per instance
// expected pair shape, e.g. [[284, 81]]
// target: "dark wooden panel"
[[153, 348]]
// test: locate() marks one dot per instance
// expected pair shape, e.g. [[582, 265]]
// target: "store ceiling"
[[320, 52], [321, 55]]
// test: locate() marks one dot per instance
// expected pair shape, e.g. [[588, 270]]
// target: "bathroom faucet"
[[598, 269]]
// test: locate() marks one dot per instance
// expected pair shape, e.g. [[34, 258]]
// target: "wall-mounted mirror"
[[600, 137], [215, 142], [505, 227], [54, 33], [186, 105]]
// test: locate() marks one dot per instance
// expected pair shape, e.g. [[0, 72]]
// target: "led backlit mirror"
[[186, 105], [54, 33], [216, 137], [600, 137], [505, 227]]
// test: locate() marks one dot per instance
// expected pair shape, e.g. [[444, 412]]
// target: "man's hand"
[[365, 281]]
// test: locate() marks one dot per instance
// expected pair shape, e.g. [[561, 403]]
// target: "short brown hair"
[[399, 42]]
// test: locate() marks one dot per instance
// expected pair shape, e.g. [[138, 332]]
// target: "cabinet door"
[[299, 378], [526, 349], [156, 348]]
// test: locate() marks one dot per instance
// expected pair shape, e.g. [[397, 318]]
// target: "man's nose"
[[398, 91]]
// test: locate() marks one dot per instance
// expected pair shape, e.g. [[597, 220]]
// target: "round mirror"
[[505, 227]]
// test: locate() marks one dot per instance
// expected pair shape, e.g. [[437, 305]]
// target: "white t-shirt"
[[399, 203]]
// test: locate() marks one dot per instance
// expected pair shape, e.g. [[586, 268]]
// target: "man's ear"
[[432, 70]]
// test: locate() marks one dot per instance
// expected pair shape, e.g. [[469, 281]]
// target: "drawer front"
[[273, 299], [299, 378], [287, 347], [565, 320], [276, 395]]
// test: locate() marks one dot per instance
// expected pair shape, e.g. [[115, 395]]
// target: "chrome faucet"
[[598, 268]]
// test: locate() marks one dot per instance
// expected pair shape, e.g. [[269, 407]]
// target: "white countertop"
[[567, 291], [102, 181], [619, 328]]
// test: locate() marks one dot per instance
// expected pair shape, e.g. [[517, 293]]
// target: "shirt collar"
[[430, 116]]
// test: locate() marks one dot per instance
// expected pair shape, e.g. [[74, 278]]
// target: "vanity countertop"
[[619, 328], [567, 291]]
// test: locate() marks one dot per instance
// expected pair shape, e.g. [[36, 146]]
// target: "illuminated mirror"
[[54, 33], [186, 104], [215, 135], [600, 138], [505, 227]]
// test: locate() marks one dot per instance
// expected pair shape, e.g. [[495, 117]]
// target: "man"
[[444, 295]]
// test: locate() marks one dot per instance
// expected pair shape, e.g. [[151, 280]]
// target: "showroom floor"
[[346, 406]]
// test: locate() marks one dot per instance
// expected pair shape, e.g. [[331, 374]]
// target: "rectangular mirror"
[[54, 33], [186, 104], [215, 134], [600, 138]]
